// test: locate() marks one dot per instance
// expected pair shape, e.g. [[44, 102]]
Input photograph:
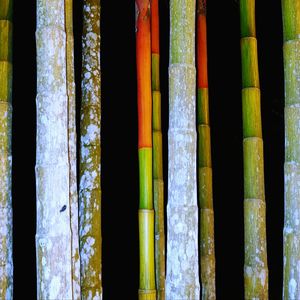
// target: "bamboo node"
[[147, 294]]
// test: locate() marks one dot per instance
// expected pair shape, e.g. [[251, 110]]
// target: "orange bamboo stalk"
[[146, 213]]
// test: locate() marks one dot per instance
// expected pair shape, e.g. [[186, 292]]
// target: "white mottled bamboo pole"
[[90, 168], [182, 280], [6, 262], [72, 149], [291, 230], [53, 237]]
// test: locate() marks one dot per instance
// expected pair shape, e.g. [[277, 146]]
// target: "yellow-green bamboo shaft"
[[6, 230], [76, 294], [205, 191], [255, 263], [291, 231], [90, 155], [158, 183]]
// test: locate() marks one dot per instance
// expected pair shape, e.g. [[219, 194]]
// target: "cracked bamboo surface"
[[205, 190], [6, 73], [147, 287], [90, 155], [255, 260], [158, 183], [182, 280], [291, 231]]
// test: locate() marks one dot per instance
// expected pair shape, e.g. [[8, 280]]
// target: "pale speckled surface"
[[182, 279], [53, 234], [291, 231], [90, 156]]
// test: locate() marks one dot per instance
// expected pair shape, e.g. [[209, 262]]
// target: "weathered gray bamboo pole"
[[6, 261], [53, 236], [90, 156], [182, 281], [291, 231]]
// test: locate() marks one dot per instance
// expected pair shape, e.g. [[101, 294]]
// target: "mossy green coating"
[[291, 19], [291, 58], [181, 36]]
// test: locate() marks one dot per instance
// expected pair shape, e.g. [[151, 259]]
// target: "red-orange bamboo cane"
[[146, 212]]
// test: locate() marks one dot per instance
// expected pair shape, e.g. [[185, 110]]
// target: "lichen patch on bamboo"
[[90, 161], [53, 238]]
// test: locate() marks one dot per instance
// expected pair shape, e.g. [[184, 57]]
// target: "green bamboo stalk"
[[72, 150], [182, 280], [158, 183], [205, 191], [255, 264], [6, 73], [90, 155], [147, 288], [54, 235], [291, 231]]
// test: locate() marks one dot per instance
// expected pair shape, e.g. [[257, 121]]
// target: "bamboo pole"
[[291, 231], [6, 73], [76, 293], [205, 191], [158, 183], [147, 289], [182, 280], [255, 264], [53, 236], [90, 156]]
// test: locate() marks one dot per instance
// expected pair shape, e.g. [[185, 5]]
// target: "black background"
[[119, 141]]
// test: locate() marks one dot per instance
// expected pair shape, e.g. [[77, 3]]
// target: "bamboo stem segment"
[[291, 231], [255, 262], [54, 235], [147, 288], [76, 293], [205, 193], [6, 226], [90, 155], [182, 280], [158, 183]]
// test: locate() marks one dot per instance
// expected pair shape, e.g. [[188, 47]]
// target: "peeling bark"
[[90, 158]]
